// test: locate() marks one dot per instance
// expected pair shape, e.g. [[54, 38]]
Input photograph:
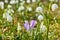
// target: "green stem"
[[47, 28]]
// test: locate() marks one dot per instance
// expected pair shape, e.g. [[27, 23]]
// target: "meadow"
[[29, 20]]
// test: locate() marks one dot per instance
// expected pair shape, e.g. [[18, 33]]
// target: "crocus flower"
[[26, 25], [30, 25], [54, 7]]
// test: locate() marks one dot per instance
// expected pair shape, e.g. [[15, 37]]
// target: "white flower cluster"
[[7, 16], [13, 1], [7, 13], [6, 1]]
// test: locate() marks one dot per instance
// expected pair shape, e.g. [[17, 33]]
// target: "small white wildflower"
[[28, 1], [12, 2], [9, 18], [36, 14], [40, 17], [22, 3], [21, 8], [9, 6], [4, 15], [29, 9], [10, 11], [19, 27], [42, 27], [6, 1], [33, 0], [2, 5], [39, 9], [54, 7]]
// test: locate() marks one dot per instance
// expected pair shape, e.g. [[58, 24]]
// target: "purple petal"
[[32, 23], [26, 25]]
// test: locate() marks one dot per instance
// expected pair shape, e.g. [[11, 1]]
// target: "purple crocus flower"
[[32, 23], [28, 25]]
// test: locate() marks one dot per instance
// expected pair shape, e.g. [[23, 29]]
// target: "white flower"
[[28, 1], [37, 14], [9, 6], [12, 2], [6, 1], [39, 9], [19, 27], [54, 7], [10, 11], [40, 17], [29, 9], [21, 8], [9, 18], [33, 0], [2, 5], [42, 28], [22, 3], [4, 15]]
